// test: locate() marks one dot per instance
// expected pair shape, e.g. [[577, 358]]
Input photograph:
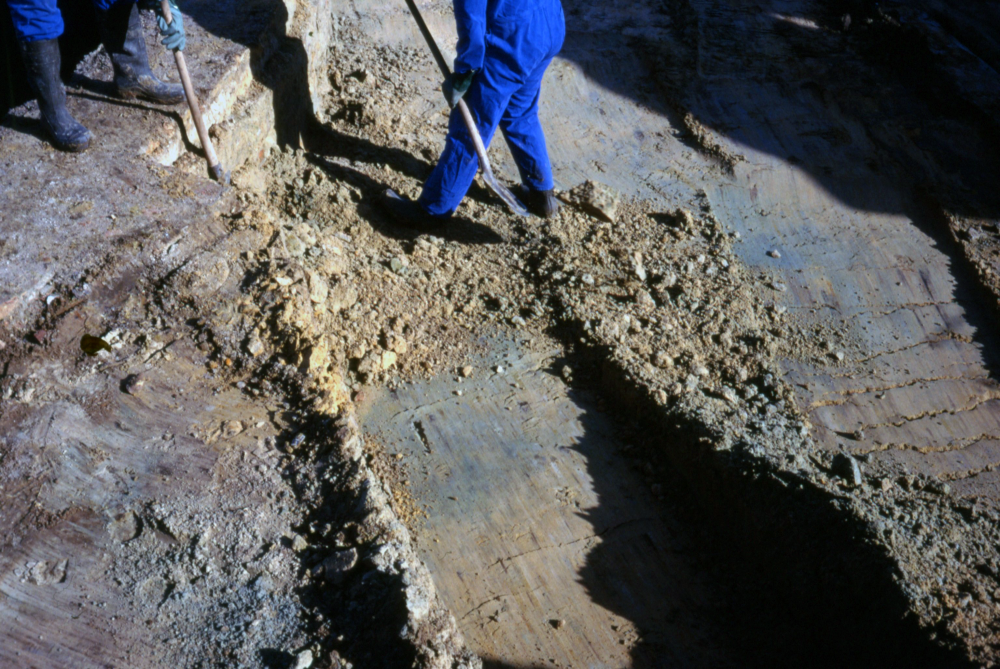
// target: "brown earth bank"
[[735, 405]]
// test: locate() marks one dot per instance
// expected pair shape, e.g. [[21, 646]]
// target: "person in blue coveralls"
[[504, 48], [38, 25]]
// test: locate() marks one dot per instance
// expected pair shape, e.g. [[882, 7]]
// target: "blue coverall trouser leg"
[[40, 19], [504, 94]]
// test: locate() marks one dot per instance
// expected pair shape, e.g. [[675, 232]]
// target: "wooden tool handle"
[[199, 123]]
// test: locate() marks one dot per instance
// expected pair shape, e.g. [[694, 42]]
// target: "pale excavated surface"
[[546, 545]]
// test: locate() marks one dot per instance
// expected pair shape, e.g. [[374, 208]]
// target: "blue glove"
[[173, 32], [456, 86]]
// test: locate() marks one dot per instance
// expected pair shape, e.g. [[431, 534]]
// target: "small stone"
[[124, 528], [306, 233], [342, 296], [46, 572], [133, 383], [587, 279], [557, 623], [231, 428], [886, 485], [644, 300], [663, 360], [397, 265], [700, 370], [335, 264], [729, 395], [848, 469], [296, 247], [466, 371], [304, 660], [567, 373], [597, 199], [299, 543], [80, 208], [517, 321], [778, 286], [283, 281], [640, 269], [774, 253], [339, 564], [254, 346], [388, 359], [839, 355], [319, 290]]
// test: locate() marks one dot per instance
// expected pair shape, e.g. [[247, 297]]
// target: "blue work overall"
[[41, 20], [511, 43]]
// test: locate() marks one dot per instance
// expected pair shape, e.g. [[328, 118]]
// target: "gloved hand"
[[173, 33], [457, 85]]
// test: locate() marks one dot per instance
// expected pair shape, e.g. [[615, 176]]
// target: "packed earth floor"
[[735, 405]]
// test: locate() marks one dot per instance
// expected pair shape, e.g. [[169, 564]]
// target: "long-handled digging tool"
[[477, 141], [214, 166]]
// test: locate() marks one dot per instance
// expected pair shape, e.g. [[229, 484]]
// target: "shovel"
[[214, 166], [477, 141]]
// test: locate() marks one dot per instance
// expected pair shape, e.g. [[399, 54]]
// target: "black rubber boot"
[[121, 32], [42, 61], [410, 214], [541, 203]]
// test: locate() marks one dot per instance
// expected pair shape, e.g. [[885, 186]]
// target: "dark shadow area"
[[801, 584], [807, 585], [458, 228], [356, 614], [276, 659], [759, 74]]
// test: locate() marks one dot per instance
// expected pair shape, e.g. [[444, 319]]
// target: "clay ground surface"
[[751, 418]]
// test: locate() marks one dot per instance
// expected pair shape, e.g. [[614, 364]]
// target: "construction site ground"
[[736, 405]]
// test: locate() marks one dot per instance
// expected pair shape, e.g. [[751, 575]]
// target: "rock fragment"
[[848, 469], [597, 199], [304, 660], [133, 383], [318, 288], [338, 565]]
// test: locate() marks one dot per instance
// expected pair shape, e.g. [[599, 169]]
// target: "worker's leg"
[[121, 32], [523, 132], [35, 20], [520, 124], [38, 25], [449, 182]]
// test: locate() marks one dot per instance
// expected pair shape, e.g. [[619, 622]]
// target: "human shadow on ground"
[[457, 229]]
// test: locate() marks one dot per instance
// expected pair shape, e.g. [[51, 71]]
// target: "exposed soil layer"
[[774, 317]]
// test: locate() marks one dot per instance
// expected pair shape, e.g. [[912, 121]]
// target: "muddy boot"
[[121, 32], [42, 61], [410, 214], [541, 203]]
